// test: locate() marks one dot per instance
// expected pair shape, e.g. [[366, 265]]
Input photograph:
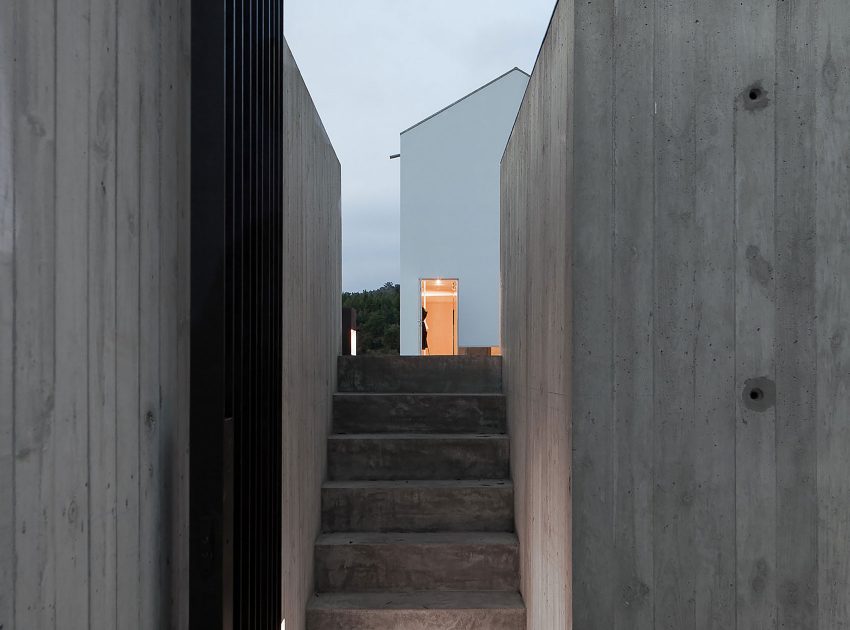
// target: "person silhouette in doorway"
[[424, 332]]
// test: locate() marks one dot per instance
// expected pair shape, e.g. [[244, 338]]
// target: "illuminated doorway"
[[438, 316]]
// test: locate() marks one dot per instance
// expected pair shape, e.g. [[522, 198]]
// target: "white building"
[[450, 221]]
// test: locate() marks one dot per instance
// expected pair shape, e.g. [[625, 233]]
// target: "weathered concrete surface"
[[311, 329], [417, 506], [476, 375], [94, 304], [370, 562], [417, 611], [419, 413], [389, 456], [676, 222]]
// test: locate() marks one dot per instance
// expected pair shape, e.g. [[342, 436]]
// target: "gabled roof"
[[496, 80]]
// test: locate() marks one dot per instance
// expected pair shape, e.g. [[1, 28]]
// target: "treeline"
[[377, 319]]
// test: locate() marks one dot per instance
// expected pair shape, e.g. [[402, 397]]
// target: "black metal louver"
[[237, 234]]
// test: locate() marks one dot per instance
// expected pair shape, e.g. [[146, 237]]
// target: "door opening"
[[438, 317]]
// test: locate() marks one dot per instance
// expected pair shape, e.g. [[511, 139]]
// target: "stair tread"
[[426, 600], [418, 436], [419, 361], [425, 484], [365, 412], [417, 538], [356, 395], [424, 456], [419, 374]]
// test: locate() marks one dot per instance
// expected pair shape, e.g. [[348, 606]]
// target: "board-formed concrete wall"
[[312, 325], [536, 313], [676, 240], [94, 225]]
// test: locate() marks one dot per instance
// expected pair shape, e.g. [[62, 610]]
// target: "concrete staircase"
[[418, 510]]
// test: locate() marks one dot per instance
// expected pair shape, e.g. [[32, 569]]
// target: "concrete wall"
[[450, 209], [94, 250], [536, 320], [689, 166], [312, 326]]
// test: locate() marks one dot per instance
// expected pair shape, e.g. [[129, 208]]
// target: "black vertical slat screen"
[[237, 240]]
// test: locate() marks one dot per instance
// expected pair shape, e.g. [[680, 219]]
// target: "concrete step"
[[371, 562], [417, 506], [474, 610], [419, 413], [388, 457], [420, 374]]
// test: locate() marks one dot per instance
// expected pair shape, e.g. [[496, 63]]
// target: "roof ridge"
[[473, 93]]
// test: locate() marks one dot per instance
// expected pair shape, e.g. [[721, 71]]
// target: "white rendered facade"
[[450, 171]]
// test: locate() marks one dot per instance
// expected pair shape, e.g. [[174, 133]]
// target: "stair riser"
[[417, 620], [418, 374], [362, 568], [417, 509], [419, 414], [383, 459]]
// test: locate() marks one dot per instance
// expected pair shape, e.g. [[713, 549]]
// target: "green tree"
[[377, 319]]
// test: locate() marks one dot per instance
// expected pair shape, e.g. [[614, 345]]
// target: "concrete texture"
[[370, 562], [417, 611], [676, 212], [312, 290], [536, 321], [476, 375], [417, 506], [419, 413], [94, 303], [392, 456], [426, 513]]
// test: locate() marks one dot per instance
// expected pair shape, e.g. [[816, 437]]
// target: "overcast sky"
[[375, 68]]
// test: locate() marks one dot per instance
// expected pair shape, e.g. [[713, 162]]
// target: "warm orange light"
[[439, 301]]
